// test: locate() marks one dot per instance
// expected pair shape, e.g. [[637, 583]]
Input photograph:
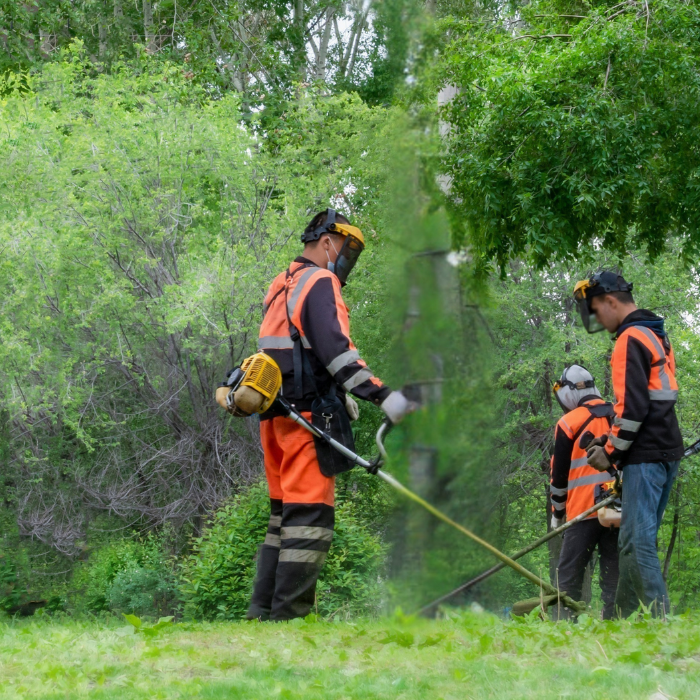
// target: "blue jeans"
[[645, 491]]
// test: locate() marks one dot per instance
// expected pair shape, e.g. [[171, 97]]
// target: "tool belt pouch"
[[328, 413]]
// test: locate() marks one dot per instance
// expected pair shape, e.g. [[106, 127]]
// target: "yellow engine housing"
[[261, 382]]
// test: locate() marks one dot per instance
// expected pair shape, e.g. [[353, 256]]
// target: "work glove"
[[397, 406], [599, 441], [221, 394], [352, 408], [557, 522], [598, 458]]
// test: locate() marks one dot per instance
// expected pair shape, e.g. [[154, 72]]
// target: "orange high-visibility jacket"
[[645, 428], [307, 299], [573, 483]]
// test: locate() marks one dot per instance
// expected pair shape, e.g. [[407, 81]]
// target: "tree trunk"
[[118, 10], [300, 47], [353, 55], [102, 33], [323, 47], [148, 26]]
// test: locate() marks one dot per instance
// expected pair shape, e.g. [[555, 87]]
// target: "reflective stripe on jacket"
[[645, 428], [310, 297], [573, 483]]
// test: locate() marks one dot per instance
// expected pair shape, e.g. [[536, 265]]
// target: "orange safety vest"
[[662, 384], [583, 479], [333, 356]]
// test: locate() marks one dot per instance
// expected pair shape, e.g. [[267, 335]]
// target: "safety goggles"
[[588, 384]]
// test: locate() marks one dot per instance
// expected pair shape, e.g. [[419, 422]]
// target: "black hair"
[[623, 297]]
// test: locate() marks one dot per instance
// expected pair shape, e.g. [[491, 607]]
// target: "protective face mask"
[[331, 265]]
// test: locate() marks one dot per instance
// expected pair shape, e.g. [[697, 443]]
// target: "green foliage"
[[248, 47], [219, 575], [136, 626], [576, 132], [142, 224], [145, 592], [132, 575], [10, 592]]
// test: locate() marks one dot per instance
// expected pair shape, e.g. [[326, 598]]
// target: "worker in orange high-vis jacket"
[[306, 330], [575, 485], [645, 440]]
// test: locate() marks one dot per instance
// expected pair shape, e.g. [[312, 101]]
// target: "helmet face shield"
[[347, 257], [582, 297], [589, 319]]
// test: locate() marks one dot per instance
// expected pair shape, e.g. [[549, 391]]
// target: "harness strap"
[[300, 359], [592, 414]]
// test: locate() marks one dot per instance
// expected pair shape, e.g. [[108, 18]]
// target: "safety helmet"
[[601, 283], [353, 243], [575, 384]]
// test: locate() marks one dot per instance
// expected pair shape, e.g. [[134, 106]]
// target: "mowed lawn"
[[471, 655]]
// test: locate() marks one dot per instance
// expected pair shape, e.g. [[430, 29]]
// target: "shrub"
[[350, 583], [10, 592], [125, 573], [218, 576], [144, 592]]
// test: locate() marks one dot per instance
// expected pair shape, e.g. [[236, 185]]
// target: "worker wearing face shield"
[[575, 486], [645, 440], [306, 331]]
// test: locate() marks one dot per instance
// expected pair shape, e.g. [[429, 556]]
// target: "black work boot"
[[268, 556], [307, 530]]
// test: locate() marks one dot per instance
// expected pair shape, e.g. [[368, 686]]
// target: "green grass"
[[468, 656]]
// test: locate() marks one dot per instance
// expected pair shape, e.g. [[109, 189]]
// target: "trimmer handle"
[[692, 450], [379, 460]]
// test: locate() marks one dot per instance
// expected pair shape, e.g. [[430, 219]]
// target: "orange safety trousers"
[[291, 465], [300, 530]]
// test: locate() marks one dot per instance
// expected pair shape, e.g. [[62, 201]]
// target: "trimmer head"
[[524, 607]]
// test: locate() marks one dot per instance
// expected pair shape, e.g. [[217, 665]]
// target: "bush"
[[130, 575], [144, 592], [218, 577], [10, 592]]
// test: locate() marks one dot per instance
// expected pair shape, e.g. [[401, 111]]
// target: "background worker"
[[575, 485], [305, 329], [645, 439]]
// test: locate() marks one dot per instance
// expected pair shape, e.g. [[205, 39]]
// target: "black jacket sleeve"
[[326, 326], [561, 464]]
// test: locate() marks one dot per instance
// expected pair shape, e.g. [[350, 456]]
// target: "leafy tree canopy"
[[575, 126]]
